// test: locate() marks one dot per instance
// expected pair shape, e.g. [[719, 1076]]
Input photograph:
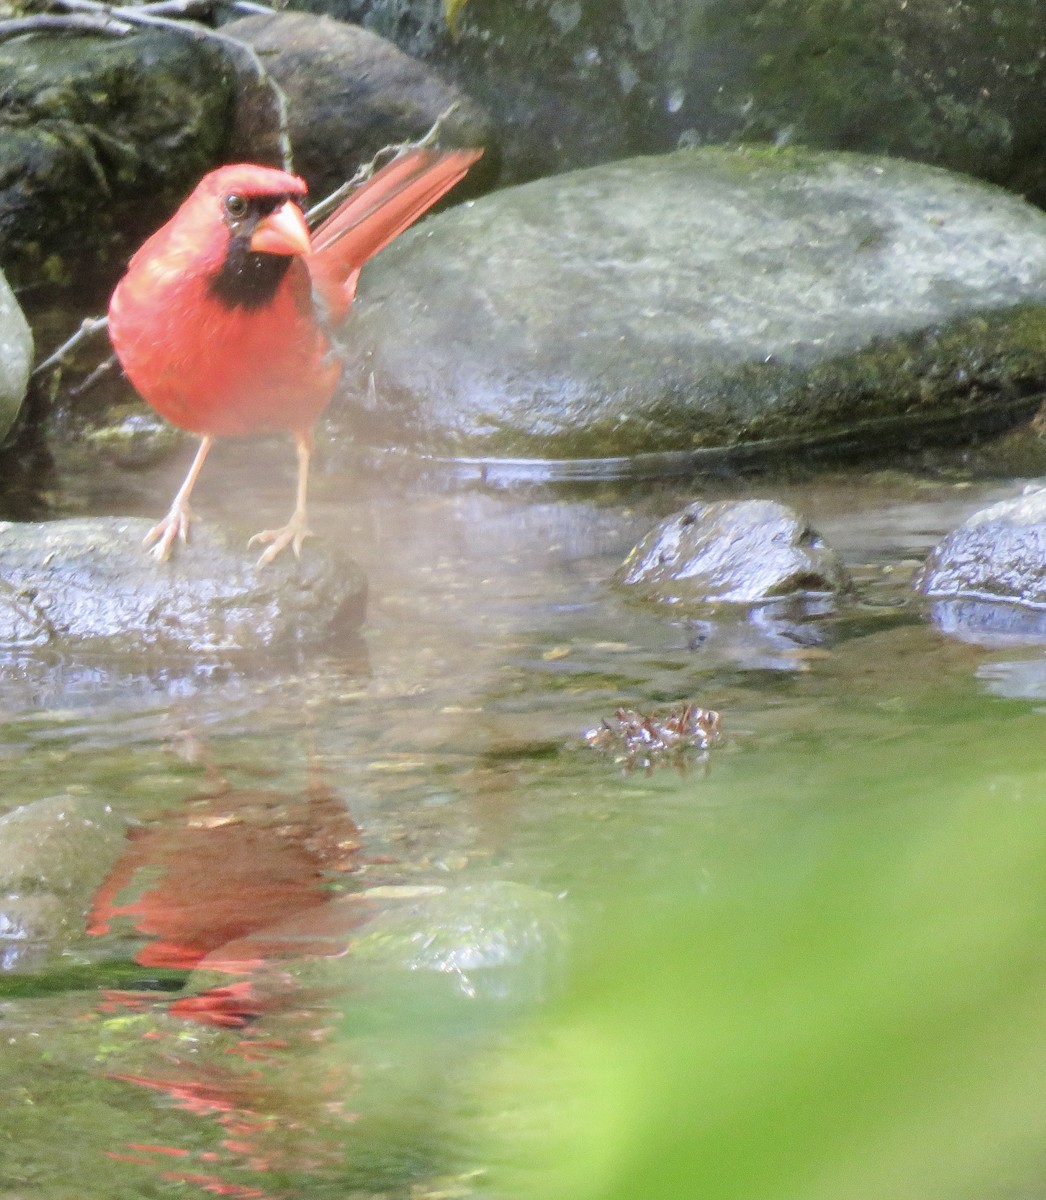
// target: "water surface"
[[451, 731]]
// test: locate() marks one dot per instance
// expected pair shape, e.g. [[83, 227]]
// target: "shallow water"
[[452, 729]]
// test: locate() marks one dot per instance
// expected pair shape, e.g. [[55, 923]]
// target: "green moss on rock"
[[100, 138]]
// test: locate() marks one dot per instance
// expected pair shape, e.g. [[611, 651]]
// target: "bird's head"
[[258, 207], [247, 226]]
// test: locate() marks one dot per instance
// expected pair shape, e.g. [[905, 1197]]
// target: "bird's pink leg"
[[179, 515], [297, 529]]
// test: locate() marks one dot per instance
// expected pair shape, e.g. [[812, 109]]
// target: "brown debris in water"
[[646, 740]]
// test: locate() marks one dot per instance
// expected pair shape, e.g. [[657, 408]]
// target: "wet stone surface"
[[88, 584], [738, 551]]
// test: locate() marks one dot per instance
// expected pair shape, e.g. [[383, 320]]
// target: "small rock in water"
[[53, 853], [735, 551], [988, 577]]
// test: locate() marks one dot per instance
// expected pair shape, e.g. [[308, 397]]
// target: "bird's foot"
[[292, 534], [174, 526]]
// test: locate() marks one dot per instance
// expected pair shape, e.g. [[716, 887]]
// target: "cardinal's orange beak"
[[282, 232]]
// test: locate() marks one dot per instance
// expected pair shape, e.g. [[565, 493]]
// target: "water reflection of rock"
[[787, 635]]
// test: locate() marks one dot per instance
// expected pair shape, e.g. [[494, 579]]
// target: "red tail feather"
[[378, 211]]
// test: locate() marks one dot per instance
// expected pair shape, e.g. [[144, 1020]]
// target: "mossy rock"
[[100, 139]]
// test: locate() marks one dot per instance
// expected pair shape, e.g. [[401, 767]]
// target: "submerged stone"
[[705, 306], [496, 939], [53, 854], [88, 584], [737, 551]]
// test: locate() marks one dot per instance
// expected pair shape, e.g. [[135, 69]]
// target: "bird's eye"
[[235, 205]]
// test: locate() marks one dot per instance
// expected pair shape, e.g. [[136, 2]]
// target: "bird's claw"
[[174, 525], [292, 534]]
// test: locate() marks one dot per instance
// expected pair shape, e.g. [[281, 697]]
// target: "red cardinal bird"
[[221, 321]]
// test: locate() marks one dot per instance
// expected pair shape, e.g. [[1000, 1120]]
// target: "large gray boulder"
[[715, 305], [88, 585], [16, 357]]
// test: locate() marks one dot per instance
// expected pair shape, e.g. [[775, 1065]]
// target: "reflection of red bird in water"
[[221, 319]]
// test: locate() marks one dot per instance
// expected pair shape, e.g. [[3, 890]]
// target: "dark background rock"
[[724, 305], [349, 93], [88, 584], [100, 139], [959, 83], [549, 79], [737, 551]]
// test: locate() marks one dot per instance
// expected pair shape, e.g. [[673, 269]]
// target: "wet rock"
[[16, 357], [988, 577], [53, 854], [960, 85], [100, 139], [88, 584], [704, 307], [738, 551], [350, 93]]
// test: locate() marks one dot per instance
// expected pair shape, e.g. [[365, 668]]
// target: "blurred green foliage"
[[848, 1007]]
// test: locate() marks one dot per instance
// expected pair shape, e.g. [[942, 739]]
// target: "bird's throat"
[[248, 280]]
